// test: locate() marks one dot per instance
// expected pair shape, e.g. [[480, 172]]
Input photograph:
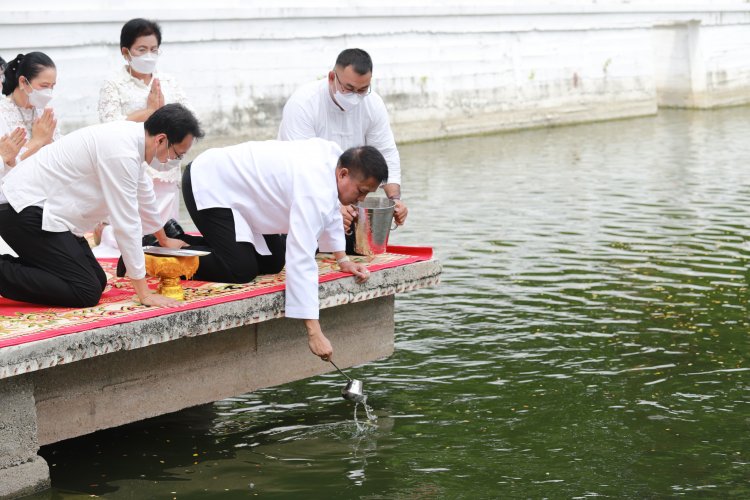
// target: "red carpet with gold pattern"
[[21, 322]]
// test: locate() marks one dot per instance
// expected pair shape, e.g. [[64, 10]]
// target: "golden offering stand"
[[169, 270]]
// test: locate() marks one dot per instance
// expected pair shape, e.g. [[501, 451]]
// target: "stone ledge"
[[105, 391], [44, 354], [24, 479]]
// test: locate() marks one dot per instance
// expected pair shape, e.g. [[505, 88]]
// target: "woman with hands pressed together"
[[133, 93], [11, 142], [26, 124], [28, 84]]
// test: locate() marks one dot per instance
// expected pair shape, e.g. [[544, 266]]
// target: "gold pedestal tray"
[[169, 270]]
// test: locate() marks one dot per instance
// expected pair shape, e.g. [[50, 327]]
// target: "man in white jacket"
[[243, 198], [63, 191], [343, 108]]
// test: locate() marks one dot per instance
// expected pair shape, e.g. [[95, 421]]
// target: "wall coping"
[[53, 14], [263, 24]]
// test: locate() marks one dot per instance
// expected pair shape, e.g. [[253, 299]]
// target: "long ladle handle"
[[339, 369]]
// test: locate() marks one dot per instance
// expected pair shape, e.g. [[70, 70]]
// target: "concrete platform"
[[71, 385]]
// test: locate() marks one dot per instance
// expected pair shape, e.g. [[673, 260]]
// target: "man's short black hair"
[[365, 161], [357, 58], [176, 121]]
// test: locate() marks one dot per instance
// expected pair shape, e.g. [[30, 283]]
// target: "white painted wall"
[[672, 61], [443, 67]]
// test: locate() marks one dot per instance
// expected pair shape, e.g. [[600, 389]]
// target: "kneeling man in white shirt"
[[64, 190], [243, 198]]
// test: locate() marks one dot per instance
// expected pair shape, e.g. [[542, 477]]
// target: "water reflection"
[[589, 338]]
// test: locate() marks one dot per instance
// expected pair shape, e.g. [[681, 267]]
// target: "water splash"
[[371, 417]]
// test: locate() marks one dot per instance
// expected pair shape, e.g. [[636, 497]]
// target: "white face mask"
[[349, 100], [164, 166], [156, 164], [39, 98], [145, 64]]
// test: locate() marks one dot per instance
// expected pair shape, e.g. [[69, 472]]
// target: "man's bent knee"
[[276, 267], [244, 276], [88, 296]]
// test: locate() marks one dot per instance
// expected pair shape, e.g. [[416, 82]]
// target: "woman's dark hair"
[[136, 28], [365, 161], [28, 66], [357, 58], [176, 121]]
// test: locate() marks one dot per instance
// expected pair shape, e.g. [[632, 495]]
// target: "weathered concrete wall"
[[444, 67], [702, 66], [126, 386], [22, 471]]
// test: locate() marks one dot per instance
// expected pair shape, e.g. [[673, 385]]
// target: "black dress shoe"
[[149, 240], [120, 267], [173, 229]]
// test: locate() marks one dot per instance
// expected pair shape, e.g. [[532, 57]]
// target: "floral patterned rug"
[[21, 322]]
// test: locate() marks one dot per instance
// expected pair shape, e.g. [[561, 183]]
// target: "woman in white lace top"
[[11, 141], [27, 84], [133, 93]]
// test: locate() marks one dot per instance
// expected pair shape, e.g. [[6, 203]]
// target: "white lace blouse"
[[11, 116], [122, 94]]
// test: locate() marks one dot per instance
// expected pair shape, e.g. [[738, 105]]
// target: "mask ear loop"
[[27, 83], [130, 65]]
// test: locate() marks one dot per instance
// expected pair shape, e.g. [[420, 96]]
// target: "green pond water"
[[589, 339]]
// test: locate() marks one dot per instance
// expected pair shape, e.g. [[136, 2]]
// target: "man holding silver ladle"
[[243, 198]]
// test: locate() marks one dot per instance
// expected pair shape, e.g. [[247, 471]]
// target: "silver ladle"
[[353, 390]]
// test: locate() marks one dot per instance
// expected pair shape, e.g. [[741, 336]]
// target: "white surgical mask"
[[349, 100], [156, 164], [39, 98], [164, 166], [145, 64]]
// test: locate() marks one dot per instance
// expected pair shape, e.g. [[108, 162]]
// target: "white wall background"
[[443, 67]]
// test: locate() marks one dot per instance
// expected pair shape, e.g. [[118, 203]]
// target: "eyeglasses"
[[178, 156], [344, 90], [140, 51]]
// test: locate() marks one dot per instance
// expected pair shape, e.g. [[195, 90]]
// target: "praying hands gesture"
[[42, 132], [155, 97], [154, 101], [11, 144]]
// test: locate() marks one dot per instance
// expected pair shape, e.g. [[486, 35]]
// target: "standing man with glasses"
[[344, 109]]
